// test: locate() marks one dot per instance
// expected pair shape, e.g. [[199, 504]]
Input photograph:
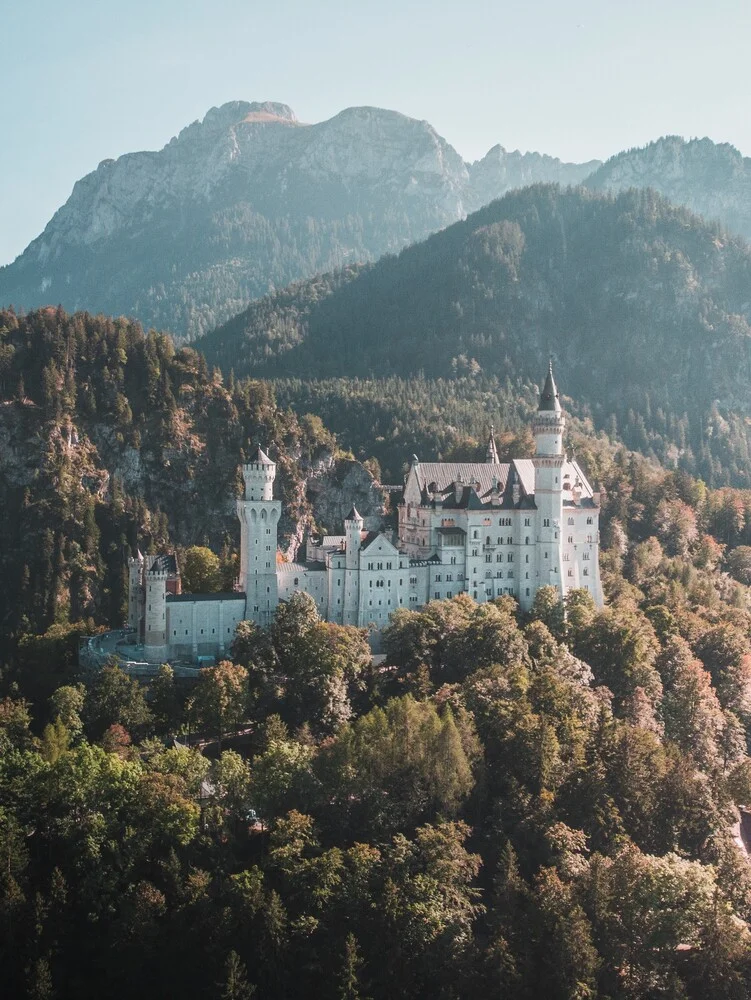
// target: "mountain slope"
[[249, 200], [644, 306], [712, 179], [112, 439]]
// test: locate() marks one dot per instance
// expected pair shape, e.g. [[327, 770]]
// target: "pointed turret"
[[354, 515], [549, 401], [262, 458], [491, 454]]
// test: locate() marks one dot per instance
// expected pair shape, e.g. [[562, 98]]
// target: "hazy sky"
[[84, 80]]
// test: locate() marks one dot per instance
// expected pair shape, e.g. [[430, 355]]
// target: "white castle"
[[484, 529]]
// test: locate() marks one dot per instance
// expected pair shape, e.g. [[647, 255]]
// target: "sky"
[[86, 80]]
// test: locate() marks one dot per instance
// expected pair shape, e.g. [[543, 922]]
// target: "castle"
[[485, 529]]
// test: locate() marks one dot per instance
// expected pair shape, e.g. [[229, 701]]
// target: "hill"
[[644, 307], [111, 439], [248, 200]]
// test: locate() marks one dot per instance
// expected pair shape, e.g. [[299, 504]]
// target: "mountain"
[[249, 200], [644, 306], [712, 179]]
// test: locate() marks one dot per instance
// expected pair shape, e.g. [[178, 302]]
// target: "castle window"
[[186, 631], [570, 572], [213, 631], [509, 540], [526, 558], [526, 522], [571, 539], [380, 565], [453, 560], [388, 565], [527, 591], [589, 520], [450, 594], [296, 581], [585, 571], [526, 539], [438, 578], [437, 595], [589, 538], [585, 555], [488, 542], [511, 574], [571, 520], [149, 607], [413, 580], [371, 584], [474, 552], [370, 565], [488, 557], [175, 632], [499, 574], [510, 557], [546, 522], [475, 534], [401, 582], [499, 557]]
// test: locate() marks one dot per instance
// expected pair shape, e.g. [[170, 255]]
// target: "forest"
[[642, 305], [522, 805]]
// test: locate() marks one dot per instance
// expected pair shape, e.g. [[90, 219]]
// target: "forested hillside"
[[111, 438], [525, 806], [644, 308]]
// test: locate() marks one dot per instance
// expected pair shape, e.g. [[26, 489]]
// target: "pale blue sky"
[[84, 80]]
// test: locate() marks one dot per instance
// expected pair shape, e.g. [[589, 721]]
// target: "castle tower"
[[548, 426], [353, 525], [259, 522], [155, 611]]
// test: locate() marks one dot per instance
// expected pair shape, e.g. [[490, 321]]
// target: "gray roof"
[[262, 458], [477, 474], [294, 567], [549, 401], [353, 515], [230, 595], [165, 564]]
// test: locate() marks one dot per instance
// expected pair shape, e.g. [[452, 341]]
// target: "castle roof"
[[164, 564], [262, 458], [511, 483], [295, 567], [353, 515], [227, 595], [549, 401]]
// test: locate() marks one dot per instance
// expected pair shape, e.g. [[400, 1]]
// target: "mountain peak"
[[236, 112]]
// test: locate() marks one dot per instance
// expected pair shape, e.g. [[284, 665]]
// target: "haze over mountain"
[[644, 306], [249, 200], [712, 179]]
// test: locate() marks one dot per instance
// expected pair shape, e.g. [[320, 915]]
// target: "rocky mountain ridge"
[[248, 200], [712, 179]]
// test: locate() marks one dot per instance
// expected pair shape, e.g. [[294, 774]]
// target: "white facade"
[[486, 529]]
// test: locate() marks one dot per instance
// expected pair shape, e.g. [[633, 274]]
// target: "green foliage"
[[200, 571]]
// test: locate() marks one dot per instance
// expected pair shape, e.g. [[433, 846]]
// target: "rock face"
[[500, 171], [247, 201], [712, 179]]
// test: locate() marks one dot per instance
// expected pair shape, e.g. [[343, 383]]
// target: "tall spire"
[[491, 454], [549, 401]]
